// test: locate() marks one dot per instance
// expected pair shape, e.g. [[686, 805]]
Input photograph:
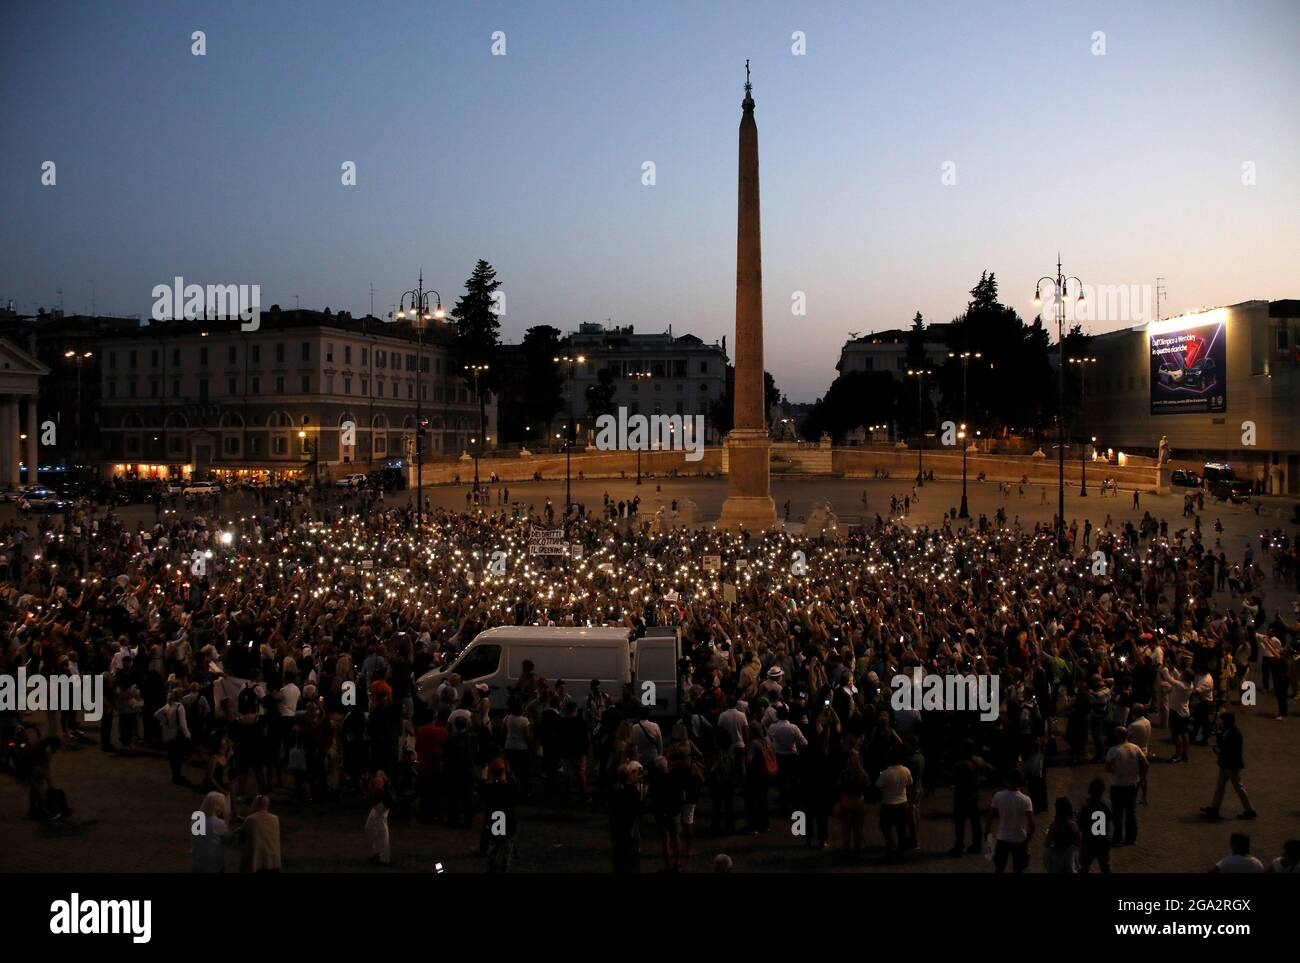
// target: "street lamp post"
[[961, 435], [1083, 438], [79, 358], [309, 450], [643, 376], [416, 304], [571, 361], [475, 370], [1058, 299], [919, 375]]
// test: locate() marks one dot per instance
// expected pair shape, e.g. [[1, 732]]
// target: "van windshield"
[[477, 661]]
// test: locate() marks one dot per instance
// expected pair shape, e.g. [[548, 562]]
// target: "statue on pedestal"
[[1162, 456]]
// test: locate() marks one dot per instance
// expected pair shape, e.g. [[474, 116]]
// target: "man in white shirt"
[[1139, 733], [1128, 770], [895, 817], [1013, 812], [734, 724], [648, 739], [1239, 860], [787, 740]]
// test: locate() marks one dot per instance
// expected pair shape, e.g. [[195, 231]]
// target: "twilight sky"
[[226, 168]]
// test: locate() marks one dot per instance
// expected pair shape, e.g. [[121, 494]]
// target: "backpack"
[[769, 760]]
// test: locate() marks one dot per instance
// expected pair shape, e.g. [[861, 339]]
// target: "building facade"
[[307, 393], [20, 425], [1219, 385], [887, 351], [649, 373]]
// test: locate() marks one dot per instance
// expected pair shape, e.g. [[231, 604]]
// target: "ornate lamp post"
[[1083, 438], [416, 305], [1059, 285], [961, 435], [475, 370], [645, 375], [920, 376], [570, 361]]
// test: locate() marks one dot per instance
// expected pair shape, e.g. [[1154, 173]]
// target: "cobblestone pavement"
[[129, 817]]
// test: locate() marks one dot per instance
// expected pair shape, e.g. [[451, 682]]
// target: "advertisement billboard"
[[1189, 370]]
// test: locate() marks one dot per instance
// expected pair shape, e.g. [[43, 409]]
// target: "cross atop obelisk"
[[749, 502]]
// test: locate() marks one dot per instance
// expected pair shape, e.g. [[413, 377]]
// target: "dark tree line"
[[1010, 388]]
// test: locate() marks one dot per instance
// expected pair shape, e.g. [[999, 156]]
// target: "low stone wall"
[[901, 464], [596, 464]]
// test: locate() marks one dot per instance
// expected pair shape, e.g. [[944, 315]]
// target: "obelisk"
[[749, 502]]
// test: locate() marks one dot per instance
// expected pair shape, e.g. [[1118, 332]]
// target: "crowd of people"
[[278, 654]]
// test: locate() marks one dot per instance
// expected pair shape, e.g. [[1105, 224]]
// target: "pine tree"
[[478, 328]]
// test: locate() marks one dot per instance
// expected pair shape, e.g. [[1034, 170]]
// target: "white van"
[[573, 653]]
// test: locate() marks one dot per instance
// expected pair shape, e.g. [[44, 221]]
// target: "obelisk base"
[[749, 504]]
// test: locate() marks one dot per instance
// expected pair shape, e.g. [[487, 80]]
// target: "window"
[[256, 385], [257, 353], [232, 355], [410, 391], [203, 389], [112, 389], [230, 387], [657, 369], [704, 367], [203, 358], [365, 356], [154, 388], [131, 360], [131, 389], [329, 384], [380, 386], [679, 369], [347, 354], [112, 359], [279, 384], [306, 384], [479, 661], [306, 351], [280, 445], [365, 386], [424, 365], [230, 444], [153, 358], [1283, 339], [347, 386], [176, 356], [176, 388], [329, 350], [279, 351]]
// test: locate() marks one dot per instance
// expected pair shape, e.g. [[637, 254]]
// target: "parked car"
[[202, 488], [1185, 479], [351, 481], [1231, 489], [42, 499]]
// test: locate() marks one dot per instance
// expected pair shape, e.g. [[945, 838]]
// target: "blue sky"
[[226, 168]]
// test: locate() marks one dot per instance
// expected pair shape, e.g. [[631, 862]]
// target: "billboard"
[[1189, 370]]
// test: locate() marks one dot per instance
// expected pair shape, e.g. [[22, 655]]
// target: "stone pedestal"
[[749, 503]]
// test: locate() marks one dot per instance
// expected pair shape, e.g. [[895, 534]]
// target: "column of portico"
[[33, 441]]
